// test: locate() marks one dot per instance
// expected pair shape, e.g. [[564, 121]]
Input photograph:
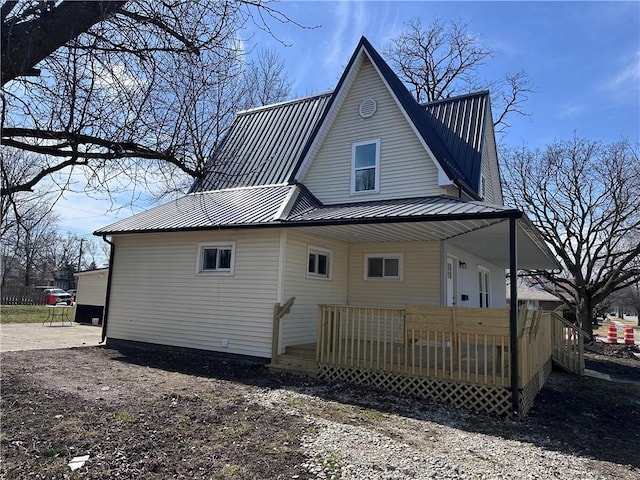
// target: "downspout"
[[105, 314], [513, 315]]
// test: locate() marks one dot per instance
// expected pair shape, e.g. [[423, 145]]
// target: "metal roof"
[[267, 145], [216, 209], [263, 144], [460, 122], [260, 206], [434, 208]]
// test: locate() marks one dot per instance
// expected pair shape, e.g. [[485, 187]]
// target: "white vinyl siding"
[[468, 279], [406, 169], [489, 168], [92, 288], [299, 326], [421, 275], [157, 297]]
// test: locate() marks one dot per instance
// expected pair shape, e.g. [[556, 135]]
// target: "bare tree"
[[267, 76], [27, 246], [136, 91], [443, 58], [583, 197]]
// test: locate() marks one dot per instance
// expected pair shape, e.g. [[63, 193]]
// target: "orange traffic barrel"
[[612, 334], [628, 335]]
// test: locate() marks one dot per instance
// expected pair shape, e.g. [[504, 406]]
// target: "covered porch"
[[439, 328], [459, 356]]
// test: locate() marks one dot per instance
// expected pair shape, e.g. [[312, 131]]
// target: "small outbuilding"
[[535, 298], [91, 295]]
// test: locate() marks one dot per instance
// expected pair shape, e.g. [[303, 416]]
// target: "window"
[[365, 176], [216, 258], [383, 266], [483, 287], [483, 187], [318, 264]]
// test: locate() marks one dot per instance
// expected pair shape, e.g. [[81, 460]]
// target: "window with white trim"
[[365, 173], [318, 263], [383, 266], [483, 287], [216, 258]]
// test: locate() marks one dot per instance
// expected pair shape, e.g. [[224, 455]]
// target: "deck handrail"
[[460, 344]]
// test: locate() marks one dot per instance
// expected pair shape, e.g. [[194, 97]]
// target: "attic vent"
[[367, 107]]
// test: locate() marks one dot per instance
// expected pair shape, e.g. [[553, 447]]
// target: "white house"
[[357, 197]]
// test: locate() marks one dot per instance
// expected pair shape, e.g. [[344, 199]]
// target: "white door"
[[451, 286], [483, 287]]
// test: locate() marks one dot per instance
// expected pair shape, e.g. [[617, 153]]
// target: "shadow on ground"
[[573, 414]]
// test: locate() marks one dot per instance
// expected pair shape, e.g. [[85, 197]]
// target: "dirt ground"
[[155, 415]]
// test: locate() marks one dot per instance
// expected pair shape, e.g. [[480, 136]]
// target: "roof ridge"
[[248, 187], [479, 93], [285, 102]]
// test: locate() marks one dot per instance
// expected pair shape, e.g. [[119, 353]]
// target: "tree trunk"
[[584, 314], [25, 44]]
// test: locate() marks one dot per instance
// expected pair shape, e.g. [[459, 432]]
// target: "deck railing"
[[567, 343], [468, 345]]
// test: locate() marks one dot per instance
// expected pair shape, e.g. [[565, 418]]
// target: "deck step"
[[301, 351], [299, 369]]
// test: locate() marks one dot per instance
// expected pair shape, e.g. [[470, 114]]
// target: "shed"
[[91, 295]]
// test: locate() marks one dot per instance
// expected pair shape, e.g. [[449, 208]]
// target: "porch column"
[[513, 314]]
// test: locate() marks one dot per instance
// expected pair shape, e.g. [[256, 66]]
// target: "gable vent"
[[367, 107]]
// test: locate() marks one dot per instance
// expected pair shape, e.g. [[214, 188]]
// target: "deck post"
[[513, 314]]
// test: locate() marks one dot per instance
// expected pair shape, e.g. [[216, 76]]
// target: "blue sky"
[[583, 58]]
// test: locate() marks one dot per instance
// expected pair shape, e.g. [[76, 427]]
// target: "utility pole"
[[80, 256]]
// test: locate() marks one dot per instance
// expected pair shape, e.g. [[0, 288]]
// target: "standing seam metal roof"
[[263, 145], [402, 208], [267, 145], [220, 208], [460, 122], [258, 206]]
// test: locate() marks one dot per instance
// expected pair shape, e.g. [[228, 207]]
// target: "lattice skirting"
[[531, 389], [494, 400]]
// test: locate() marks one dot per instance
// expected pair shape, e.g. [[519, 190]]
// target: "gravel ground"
[[156, 416]]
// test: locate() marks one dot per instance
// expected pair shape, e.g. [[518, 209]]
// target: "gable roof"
[[427, 122], [268, 145]]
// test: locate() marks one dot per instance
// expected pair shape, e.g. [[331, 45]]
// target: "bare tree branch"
[[442, 59], [27, 43], [583, 197]]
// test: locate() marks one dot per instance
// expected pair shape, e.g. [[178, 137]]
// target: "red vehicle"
[[53, 296]]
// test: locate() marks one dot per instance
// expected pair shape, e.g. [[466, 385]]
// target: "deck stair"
[[298, 359]]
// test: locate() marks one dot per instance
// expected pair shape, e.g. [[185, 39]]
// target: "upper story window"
[[217, 258], [319, 263], [383, 266], [483, 187], [365, 174]]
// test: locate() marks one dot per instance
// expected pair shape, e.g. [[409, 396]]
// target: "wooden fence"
[[16, 295]]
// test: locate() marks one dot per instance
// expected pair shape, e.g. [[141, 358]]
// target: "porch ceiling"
[[486, 238]]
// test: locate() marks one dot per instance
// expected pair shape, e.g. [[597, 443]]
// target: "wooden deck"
[[453, 355]]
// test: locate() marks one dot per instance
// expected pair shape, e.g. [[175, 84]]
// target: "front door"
[[451, 287]]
